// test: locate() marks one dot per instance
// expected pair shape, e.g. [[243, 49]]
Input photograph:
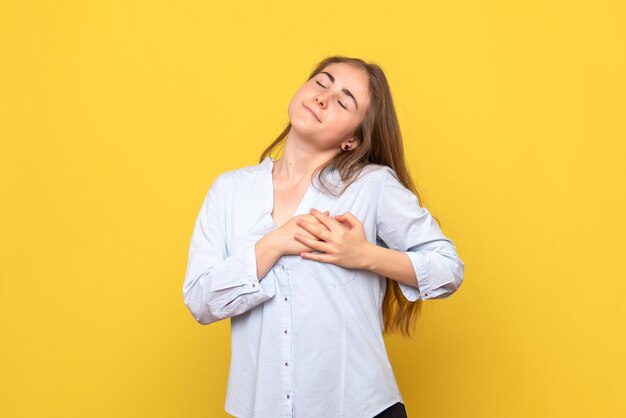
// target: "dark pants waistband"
[[394, 411]]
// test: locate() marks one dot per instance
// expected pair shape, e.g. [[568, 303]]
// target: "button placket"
[[286, 344]]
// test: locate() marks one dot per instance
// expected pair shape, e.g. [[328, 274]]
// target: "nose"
[[320, 101]]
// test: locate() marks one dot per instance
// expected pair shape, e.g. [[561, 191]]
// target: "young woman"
[[313, 256]]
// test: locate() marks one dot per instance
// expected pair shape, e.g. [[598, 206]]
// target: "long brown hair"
[[380, 142]]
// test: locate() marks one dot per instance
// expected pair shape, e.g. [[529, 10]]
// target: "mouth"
[[313, 113]]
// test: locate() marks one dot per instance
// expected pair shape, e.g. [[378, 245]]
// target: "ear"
[[349, 144]]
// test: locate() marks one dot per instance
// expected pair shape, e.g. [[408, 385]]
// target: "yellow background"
[[116, 116]]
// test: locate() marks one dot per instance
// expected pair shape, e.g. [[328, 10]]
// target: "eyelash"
[[337, 100]]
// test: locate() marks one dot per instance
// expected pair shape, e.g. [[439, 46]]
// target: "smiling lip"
[[313, 113]]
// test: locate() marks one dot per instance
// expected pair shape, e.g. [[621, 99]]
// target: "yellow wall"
[[116, 116]]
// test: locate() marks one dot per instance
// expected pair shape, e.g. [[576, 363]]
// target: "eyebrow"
[[344, 90]]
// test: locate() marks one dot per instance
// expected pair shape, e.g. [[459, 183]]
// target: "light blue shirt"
[[306, 338]]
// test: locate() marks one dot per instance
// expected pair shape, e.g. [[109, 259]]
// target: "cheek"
[[294, 104], [298, 97], [294, 99], [335, 130], [305, 91], [341, 124]]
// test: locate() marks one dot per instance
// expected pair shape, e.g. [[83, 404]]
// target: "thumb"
[[347, 218], [351, 219]]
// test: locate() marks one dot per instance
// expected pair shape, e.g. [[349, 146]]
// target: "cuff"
[[423, 291], [238, 270]]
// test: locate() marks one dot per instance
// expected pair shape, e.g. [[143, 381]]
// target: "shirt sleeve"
[[403, 225], [218, 287]]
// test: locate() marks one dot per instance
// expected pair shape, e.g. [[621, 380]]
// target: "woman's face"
[[338, 99]]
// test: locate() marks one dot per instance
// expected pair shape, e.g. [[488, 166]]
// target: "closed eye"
[[337, 100]]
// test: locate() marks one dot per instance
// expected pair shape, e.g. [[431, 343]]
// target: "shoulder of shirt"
[[371, 177], [379, 168], [379, 171]]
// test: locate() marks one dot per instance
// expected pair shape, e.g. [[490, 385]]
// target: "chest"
[[256, 206], [286, 202]]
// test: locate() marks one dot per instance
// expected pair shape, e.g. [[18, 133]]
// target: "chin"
[[301, 127], [303, 122], [305, 133]]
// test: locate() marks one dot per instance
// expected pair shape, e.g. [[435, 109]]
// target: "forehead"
[[351, 77]]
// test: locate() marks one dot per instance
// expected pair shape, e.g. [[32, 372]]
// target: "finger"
[[308, 215], [331, 223], [310, 218], [321, 257], [319, 230], [312, 243], [351, 219], [313, 219], [343, 221]]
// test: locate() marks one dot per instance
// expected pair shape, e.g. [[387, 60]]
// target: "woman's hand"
[[341, 239], [284, 235]]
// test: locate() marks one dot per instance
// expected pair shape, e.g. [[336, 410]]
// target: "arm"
[[391, 263], [218, 287], [267, 253], [411, 239]]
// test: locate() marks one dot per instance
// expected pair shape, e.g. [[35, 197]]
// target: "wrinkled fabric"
[[306, 338]]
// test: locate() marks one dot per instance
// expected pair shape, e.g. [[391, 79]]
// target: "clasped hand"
[[341, 239]]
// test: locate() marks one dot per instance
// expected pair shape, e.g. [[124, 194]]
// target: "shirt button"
[[285, 331], [286, 364], [283, 267], [285, 299], [287, 396], [253, 284]]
